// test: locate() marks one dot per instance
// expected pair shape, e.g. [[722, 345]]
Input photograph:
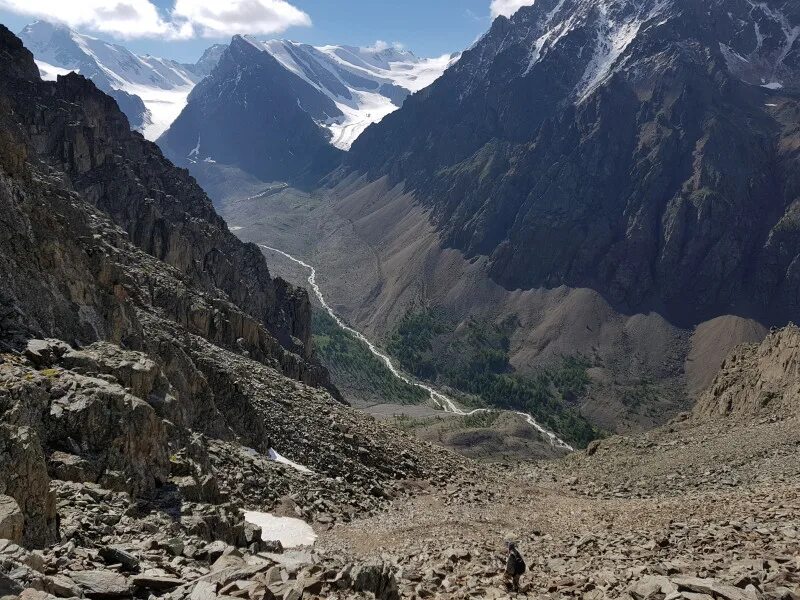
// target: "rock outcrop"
[[757, 381]]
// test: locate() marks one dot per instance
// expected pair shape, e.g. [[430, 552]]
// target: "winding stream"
[[441, 400]]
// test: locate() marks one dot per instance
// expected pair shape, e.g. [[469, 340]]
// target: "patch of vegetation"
[[641, 392], [409, 424], [473, 358], [481, 420], [355, 370]]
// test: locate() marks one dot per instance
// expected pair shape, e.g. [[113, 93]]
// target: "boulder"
[[378, 579], [120, 434], [44, 353], [23, 477], [62, 586], [33, 594], [156, 583], [102, 585], [651, 585], [711, 587], [8, 586], [70, 467], [11, 520], [115, 555], [204, 590]]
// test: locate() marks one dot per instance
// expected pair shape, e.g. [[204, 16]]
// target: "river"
[[441, 400]]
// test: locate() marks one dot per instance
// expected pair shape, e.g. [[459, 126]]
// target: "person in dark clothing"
[[515, 566]]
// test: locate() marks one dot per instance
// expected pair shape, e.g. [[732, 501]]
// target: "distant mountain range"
[[357, 86], [284, 110], [617, 178], [150, 91]]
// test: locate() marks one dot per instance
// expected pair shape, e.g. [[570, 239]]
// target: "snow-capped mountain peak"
[[366, 84], [150, 90]]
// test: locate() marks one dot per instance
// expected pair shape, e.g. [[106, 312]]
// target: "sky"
[[182, 29]]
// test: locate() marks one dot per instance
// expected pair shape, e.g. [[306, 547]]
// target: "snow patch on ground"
[[613, 38], [274, 456], [292, 533]]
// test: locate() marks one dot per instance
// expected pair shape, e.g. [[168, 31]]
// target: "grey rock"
[[12, 520], [711, 587], [102, 585], [203, 590], [117, 555], [156, 583]]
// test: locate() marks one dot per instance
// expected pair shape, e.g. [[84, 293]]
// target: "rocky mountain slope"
[[624, 141], [705, 507], [153, 374], [150, 91], [281, 110], [156, 381]]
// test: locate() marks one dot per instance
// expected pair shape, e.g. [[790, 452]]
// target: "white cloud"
[[508, 7], [125, 18], [381, 46], [216, 18], [187, 19]]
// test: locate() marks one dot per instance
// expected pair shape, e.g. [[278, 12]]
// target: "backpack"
[[519, 563]]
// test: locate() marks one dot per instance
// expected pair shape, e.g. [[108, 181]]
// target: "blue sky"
[[427, 27]]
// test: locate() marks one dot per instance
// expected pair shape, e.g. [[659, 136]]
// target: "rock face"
[[23, 477], [757, 380], [617, 145], [253, 113], [164, 212]]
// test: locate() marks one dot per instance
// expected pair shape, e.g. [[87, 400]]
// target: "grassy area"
[[482, 420], [473, 358], [355, 370]]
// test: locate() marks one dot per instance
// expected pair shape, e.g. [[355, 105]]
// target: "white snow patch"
[[51, 72], [235, 228], [613, 38], [196, 150], [291, 532], [274, 456], [774, 85]]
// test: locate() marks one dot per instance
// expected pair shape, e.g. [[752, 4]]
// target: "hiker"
[[515, 566]]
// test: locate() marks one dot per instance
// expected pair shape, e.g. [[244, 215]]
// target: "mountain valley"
[[326, 321]]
